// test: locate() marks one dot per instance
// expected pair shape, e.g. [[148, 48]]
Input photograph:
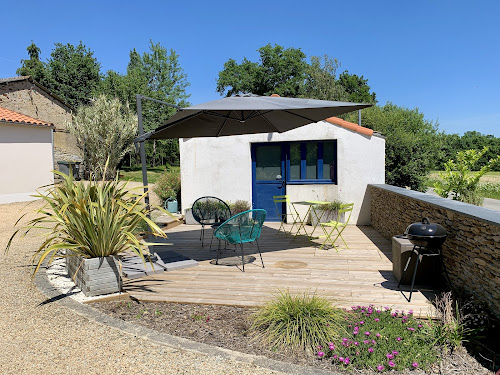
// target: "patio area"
[[361, 275]]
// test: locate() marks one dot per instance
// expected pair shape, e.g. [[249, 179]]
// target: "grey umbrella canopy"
[[249, 114]]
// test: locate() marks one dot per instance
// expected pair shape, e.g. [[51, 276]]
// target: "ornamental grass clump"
[[93, 220], [381, 340], [296, 322]]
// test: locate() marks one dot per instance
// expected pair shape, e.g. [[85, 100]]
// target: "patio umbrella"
[[248, 114], [239, 114]]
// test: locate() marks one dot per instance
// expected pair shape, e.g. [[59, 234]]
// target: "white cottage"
[[26, 155], [324, 161]]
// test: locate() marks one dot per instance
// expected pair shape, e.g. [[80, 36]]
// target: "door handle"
[[282, 184]]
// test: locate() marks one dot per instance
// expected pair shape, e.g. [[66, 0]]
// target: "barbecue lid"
[[425, 229]]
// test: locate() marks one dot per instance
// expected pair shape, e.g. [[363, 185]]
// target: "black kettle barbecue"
[[426, 234]]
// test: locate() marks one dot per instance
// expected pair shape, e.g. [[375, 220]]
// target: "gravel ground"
[[39, 337]]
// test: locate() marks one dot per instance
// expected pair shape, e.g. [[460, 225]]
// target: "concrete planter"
[[326, 217], [95, 276]]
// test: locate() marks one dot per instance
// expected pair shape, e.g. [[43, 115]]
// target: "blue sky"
[[438, 55]]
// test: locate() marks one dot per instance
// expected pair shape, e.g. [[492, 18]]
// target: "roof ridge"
[[350, 125], [8, 115]]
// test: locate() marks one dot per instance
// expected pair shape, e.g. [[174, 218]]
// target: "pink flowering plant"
[[382, 339]]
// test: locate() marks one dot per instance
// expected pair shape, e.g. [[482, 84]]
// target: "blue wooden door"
[[268, 177]]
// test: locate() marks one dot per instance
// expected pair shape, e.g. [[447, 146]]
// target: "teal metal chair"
[[284, 200], [337, 226], [242, 228]]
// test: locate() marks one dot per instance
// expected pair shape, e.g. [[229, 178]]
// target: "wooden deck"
[[361, 275]]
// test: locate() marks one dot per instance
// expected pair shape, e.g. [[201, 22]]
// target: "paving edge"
[[44, 285]]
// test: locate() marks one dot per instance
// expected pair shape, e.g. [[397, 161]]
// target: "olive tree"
[[104, 130]]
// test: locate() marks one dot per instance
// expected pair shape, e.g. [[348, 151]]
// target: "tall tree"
[[74, 72], [285, 72], [280, 71], [321, 82], [357, 88], [71, 72], [156, 74], [33, 67]]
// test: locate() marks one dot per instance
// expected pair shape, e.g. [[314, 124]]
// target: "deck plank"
[[360, 275]]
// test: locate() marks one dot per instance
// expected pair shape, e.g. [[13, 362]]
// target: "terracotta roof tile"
[[6, 115], [350, 126]]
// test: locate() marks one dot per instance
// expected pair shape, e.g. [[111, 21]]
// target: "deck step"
[[163, 260]]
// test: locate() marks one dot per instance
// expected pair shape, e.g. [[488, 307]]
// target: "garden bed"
[[227, 327]]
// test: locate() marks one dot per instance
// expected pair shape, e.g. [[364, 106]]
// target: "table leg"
[[318, 217], [302, 222]]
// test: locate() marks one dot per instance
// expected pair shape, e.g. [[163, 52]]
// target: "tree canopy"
[[156, 74], [286, 72], [71, 72]]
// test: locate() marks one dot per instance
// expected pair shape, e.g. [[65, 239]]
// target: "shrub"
[[238, 207], [168, 185], [381, 339], [296, 322], [451, 331], [92, 220], [459, 180]]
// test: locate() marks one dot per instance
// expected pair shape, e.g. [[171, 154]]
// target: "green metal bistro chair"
[[242, 228], [210, 211], [289, 212], [337, 226]]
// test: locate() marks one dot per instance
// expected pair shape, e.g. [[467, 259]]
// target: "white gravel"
[[44, 337], [58, 277]]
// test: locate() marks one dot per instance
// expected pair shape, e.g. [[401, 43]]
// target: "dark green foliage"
[[285, 72], [410, 145], [71, 72], [156, 74], [280, 71], [357, 88], [451, 144], [33, 67]]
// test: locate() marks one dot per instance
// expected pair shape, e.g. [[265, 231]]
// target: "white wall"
[[26, 160], [222, 167]]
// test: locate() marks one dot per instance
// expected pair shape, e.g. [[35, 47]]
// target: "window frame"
[[319, 168]]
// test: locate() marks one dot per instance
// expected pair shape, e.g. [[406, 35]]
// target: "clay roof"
[[30, 79], [350, 126], [6, 115]]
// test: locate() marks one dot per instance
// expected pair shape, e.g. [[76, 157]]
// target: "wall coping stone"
[[475, 212]]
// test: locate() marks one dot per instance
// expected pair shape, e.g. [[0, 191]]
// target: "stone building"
[[24, 95]]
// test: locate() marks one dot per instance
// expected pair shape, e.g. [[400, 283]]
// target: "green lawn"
[[135, 173]]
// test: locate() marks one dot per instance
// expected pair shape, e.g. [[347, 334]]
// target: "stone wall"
[[26, 97], [471, 252]]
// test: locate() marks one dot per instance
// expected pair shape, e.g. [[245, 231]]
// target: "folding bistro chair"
[[337, 226], [289, 212]]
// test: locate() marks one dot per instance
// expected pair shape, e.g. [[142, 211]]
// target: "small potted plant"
[[238, 207], [91, 225]]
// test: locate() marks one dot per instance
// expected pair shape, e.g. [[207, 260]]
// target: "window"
[[312, 162]]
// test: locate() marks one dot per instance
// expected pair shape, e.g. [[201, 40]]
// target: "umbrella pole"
[[142, 151]]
